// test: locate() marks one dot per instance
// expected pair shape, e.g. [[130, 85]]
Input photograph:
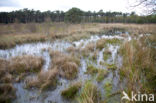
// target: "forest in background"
[[74, 15]]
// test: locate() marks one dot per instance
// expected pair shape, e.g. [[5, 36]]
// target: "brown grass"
[[66, 64], [3, 67], [87, 49], [13, 34], [10, 40], [44, 80], [7, 93], [100, 44], [24, 64], [69, 70]]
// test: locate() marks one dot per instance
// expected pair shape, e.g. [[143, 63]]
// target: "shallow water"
[[41, 49]]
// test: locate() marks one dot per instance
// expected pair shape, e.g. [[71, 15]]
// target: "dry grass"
[[66, 64], [7, 93], [44, 80], [89, 48], [3, 67], [132, 28], [13, 34], [10, 40], [100, 44], [72, 50], [69, 70], [25, 63]]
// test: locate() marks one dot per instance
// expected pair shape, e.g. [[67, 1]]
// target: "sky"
[[52, 5]]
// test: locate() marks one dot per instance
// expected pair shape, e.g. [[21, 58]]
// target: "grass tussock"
[[72, 49], [101, 75], [7, 93], [71, 91], [66, 64], [91, 69], [3, 67], [69, 70], [44, 80], [107, 54], [24, 64], [89, 48], [89, 94], [100, 44]]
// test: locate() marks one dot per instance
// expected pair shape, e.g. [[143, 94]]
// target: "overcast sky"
[[44, 5]]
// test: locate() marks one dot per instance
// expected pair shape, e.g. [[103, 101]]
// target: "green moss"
[[101, 75], [71, 92]]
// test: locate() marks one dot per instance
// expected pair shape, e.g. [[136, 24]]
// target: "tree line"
[[74, 15]]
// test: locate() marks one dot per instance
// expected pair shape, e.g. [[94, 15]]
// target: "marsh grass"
[[44, 80], [101, 75], [139, 64], [89, 94], [107, 54], [3, 67], [7, 93], [25, 63], [91, 69], [71, 91], [13, 34], [102, 43], [8, 41], [66, 64]]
